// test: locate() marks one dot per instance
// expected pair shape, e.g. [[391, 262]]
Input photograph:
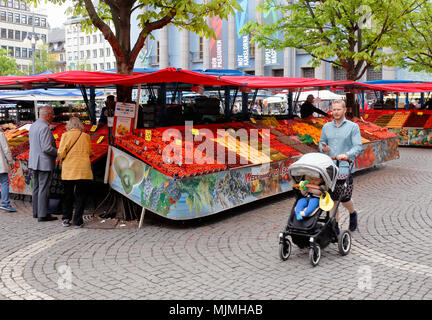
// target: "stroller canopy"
[[315, 165]]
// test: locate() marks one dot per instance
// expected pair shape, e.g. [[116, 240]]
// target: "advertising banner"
[[216, 49], [242, 41], [270, 55]]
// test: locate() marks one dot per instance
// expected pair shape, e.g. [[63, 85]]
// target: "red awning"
[[397, 87]]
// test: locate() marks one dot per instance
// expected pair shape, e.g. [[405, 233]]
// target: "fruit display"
[[304, 130], [416, 120], [382, 120], [398, 120]]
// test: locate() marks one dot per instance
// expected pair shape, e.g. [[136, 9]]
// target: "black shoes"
[[47, 218], [353, 221]]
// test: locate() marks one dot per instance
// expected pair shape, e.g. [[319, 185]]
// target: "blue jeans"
[[310, 204], [4, 181]]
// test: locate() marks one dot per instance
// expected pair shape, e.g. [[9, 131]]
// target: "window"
[[157, 51], [308, 72], [201, 48], [23, 5], [102, 67], [17, 52], [101, 52], [339, 74], [81, 40], [76, 55], [23, 19], [4, 48], [114, 65], [30, 53], [30, 20], [43, 37], [88, 54], [88, 40], [108, 66], [37, 21], [43, 22], [11, 51], [2, 3], [23, 35], [94, 38], [61, 57], [277, 72], [16, 4], [94, 66], [17, 35], [101, 38], [17, 18], [10, 3], [94, 53], [251, 50], [3, 33], [82, 54], [10, 34], [69, 55], [108, 52], [24, 52], [2, 15], [10, 17], [75, 41], [372, 74]]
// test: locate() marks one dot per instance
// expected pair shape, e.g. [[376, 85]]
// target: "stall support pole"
[[137, 106], [397, 101], [422, 100], [245, 110], [406, 101], [290, 105], [227, 103], [363, 100], [92, 105], [36, 110], [141, 218]]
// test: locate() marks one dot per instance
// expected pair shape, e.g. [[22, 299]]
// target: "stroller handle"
[[348, 160]]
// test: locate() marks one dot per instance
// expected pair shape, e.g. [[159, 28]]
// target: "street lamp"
[[34, 40]]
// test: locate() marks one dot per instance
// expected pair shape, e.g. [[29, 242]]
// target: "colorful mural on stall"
[[377, 152], [414, 137], [21, 178]]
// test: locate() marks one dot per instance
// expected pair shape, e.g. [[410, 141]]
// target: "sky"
[[56, 14]]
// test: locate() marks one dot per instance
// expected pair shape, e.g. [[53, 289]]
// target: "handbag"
[[56, 188]]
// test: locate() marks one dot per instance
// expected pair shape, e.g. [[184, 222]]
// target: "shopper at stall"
[[341, 138], [42, 156], [108, 110], [307, 108], [6, 162], [74, 153]]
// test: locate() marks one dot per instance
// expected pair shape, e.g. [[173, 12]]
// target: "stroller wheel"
[[315, 255], [284, 249], [344, 242]]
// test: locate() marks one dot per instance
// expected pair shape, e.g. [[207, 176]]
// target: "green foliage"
[[347, 33], [8, 64], [43, 60], [413, 43]]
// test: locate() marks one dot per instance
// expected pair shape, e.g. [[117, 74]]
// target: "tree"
[[349, 34], [153, 15], [43, 60], [413, 45], [8, 64]]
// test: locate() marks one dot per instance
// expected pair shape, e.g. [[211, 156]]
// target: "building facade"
[[17, 23], [176, 48], [87, 52], [56, 40]]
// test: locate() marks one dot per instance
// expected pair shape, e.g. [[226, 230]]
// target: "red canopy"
[[398, 87]]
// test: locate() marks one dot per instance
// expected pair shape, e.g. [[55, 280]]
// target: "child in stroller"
[[309, 203], [318, 230]]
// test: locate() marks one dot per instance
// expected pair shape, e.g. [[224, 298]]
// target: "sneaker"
[[353, 221], [65, 223], [10, 209]]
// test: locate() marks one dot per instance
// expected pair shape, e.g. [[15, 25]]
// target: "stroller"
[[317, 230]]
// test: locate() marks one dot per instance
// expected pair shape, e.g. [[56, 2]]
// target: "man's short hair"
[[46, 110], [110, 98], [339, 101], [310, 96]]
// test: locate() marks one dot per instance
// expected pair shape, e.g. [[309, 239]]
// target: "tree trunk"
[[124, 93], [353, 108]]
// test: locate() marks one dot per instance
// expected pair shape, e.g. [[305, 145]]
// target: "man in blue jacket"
[[341, 138]]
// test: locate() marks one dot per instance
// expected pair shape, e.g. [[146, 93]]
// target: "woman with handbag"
[[74, 153], [6, 163]]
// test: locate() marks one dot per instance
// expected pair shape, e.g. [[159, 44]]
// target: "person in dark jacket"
[[307, 108]]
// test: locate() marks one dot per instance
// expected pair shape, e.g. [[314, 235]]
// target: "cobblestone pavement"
[[233, 255]]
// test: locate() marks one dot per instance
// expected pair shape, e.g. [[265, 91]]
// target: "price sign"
[[55, 136], [148, 135], [93, 128], [195, 132], [252, 120], [419, 113], [100, 139]]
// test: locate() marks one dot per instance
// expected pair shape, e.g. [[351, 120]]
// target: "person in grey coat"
[[6, 162], [42, 156]]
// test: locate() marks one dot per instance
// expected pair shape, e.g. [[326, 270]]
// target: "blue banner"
[[242, 41]]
